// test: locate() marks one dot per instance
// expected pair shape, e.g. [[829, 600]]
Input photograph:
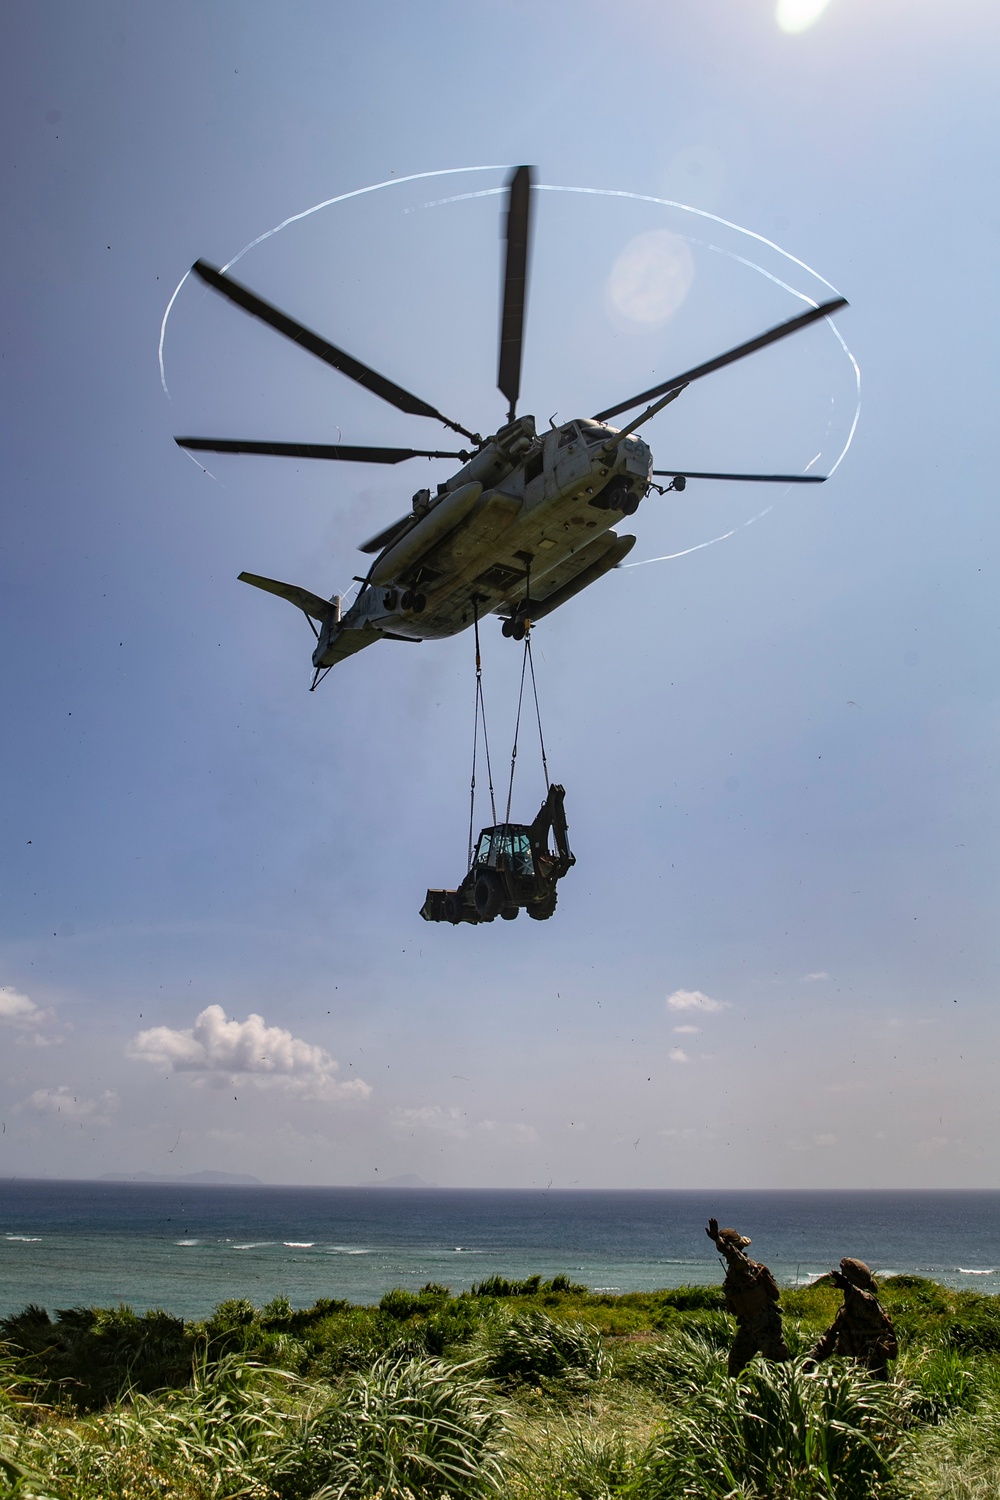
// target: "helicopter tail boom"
[[309, 603]]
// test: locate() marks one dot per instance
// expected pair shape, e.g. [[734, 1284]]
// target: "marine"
[[751, 1294], [861, 1330]]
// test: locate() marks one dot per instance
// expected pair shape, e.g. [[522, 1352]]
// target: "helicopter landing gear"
[[616, 495], [514, 629], [413, 601]]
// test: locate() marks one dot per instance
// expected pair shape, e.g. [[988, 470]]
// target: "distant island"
[[207, 1178]]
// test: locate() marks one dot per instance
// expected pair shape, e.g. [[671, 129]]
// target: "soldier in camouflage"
[[751, 1294], [861, 1330]]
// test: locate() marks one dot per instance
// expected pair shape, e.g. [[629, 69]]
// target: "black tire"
[[519, 630], [452, 907], [507, 628], [613, 495], [419, 604], [407, 600], [488, 897], [629, 505], [509, 913]]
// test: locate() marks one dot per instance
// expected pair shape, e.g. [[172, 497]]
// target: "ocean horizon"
[[186, 1246]]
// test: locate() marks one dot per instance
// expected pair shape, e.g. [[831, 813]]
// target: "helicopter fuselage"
[[518, 530]]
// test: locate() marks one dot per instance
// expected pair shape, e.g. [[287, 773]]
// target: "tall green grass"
[[522, 1390]]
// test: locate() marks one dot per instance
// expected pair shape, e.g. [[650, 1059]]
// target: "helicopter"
[[525, 523]]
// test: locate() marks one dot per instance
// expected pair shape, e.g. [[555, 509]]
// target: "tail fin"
[[310, 604]]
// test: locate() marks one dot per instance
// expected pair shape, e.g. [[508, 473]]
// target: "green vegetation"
[[519, 1390]]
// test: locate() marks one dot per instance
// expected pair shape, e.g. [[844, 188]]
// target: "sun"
[[798, 15]]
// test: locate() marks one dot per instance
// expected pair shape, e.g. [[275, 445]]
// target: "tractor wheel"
[[488, 897], [452, 907]]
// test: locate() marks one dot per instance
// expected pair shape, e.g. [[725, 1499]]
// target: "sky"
[[775, 961]]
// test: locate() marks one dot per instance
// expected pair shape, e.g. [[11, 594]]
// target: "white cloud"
[[513, 1133], [61, 1101], [687, 1030], [934, 1143], [431, 1119], [29, 1020], [677, 1054], [796, 1143], [250, 1050], [695, 1000], [819, 974]]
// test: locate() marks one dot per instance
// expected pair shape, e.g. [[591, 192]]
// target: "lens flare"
[[798, 15], [651, 277]]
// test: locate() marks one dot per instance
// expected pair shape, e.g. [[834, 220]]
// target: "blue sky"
[[780, 751]]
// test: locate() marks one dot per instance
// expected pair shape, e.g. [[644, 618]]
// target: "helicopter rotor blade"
[[347, 454], [514, 287], [753, 478], [329, 353], [780, 331]]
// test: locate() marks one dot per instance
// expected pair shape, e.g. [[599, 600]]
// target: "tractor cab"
[[512, 866], [505, 847]]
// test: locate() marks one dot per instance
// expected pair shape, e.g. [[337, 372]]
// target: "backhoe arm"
[[552, 817]]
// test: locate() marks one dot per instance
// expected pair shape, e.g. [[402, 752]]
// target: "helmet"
[[858, 1274], [735, 1238]]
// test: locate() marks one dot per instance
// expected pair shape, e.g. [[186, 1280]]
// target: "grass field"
[[520, 1390]]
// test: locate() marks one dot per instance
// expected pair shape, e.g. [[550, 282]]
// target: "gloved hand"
[[713, 1231], [839, 1279]]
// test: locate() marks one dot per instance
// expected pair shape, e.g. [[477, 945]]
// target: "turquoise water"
[[185, 1248]]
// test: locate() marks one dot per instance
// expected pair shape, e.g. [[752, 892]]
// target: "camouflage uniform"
[[861, 1330], [751, 1294]]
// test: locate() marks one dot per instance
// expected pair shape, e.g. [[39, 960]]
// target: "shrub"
[[939, 1383], [975, 1324], [499, 1286], [400, 1304], [531, 1347], [91, 1355], [777, 1433], [532, 1286], [404, 1426], [690, 1298], [673, 1370]]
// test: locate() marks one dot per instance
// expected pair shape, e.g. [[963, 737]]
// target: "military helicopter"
[[525, 524]]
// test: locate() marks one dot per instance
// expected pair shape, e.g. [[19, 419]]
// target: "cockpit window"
[[595, 435], [568, 436], [513, 846]]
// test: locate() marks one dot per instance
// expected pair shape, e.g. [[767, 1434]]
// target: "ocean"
[[186, 1248]]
